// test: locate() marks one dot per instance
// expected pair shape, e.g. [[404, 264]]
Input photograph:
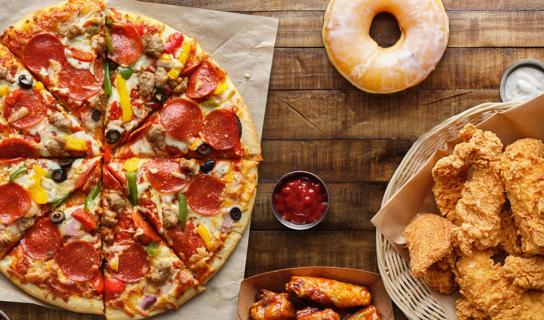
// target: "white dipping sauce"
[[524, 83]]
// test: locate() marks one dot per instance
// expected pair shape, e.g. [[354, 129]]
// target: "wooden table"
[[317, 121]]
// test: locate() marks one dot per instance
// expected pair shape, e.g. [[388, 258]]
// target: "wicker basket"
[[411, 295]]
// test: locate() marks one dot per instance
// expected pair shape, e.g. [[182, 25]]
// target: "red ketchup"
[[301, 200]]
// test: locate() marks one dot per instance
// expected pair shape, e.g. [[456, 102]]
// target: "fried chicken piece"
[[272, 306], [485, 288], [479, 202], [316, 314], [522, 170], [429, 242], [327, 292], [532, 304], [510, 238], [525, 273], [465, 311], [368, 313]]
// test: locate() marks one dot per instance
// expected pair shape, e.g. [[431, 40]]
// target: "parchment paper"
[[522, 121], [243, 45]]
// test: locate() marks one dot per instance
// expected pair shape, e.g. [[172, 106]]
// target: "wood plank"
[[467, 28], [334, 160], [23, 311], [271, 250], [347, 114], [460, 68], [284, 5], [352, 205]]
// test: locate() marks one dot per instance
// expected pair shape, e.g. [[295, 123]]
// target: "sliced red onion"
[[147, 302], [227, 223], [72, 228]]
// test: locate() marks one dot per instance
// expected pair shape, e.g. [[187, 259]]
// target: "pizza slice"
[[58, 259], [62, 45], [143, 276], [156, 63], [200, 207], [32, 123], [31, 188]]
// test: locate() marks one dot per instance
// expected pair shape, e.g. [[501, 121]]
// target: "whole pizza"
[[128, 161]]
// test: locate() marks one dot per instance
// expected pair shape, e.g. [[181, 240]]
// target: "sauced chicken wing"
[[478, 202], [526, 273], [273, 306], [429, 242], [316, 314], [368, 313], [522, 169], [327, 292]]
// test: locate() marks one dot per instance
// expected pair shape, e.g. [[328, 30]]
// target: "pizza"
[[32, 123], [128, 161]]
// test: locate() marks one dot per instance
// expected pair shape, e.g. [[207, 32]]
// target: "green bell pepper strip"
[[17, 172], [59, 201], [89, 201], [107, 79], [132, 188], [152, 249], [182, 210], [125, 72]]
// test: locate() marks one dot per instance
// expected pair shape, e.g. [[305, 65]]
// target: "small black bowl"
[[277, 189]]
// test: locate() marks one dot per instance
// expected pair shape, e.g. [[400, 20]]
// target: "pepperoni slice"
[[181, 118], [17, 147], [185, 241], [222, 129], [133, 263], [205, 194], [127, 44], [202, 81], [42, 48], [78, 261], [29, 104], [43, 240], [165, 175], [81, 83], [14, 202]]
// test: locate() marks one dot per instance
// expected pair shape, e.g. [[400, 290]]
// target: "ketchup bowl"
[[300, 200]]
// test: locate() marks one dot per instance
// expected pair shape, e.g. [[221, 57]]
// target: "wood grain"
[[467, 28], [460, 68], [353, 114]]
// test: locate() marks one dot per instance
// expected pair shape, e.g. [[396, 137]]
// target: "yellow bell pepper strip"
[[37, 192], [132, 188], [76, 144], [222, 87], [38, 85], [182, 210], [206, 236], [174, 73], [89, 200], [4, 90], [131, 165], [124, 98], [107, 79], [17, 172], [182, 58]]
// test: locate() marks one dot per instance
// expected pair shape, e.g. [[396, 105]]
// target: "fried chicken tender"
[[273, 306], [479, 201], [465, 311], [510, 238], [327, 292], [525, 273], [485, 288], [429, 242], [522, 170]]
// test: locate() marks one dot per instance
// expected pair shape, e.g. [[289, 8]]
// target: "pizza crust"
[[219, 259], [74, 303]]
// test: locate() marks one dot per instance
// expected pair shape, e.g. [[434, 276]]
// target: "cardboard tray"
[[276, 280]]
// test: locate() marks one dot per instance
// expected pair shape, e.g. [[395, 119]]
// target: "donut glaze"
[[424, 31]]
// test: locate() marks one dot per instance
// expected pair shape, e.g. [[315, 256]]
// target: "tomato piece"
[[113, 286], [85, 219], [173, 43], [149, 233], [98, 284]]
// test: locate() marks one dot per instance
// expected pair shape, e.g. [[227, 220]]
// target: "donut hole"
[[385, 29]]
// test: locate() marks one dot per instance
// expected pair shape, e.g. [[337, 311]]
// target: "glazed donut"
[[424, 35]]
